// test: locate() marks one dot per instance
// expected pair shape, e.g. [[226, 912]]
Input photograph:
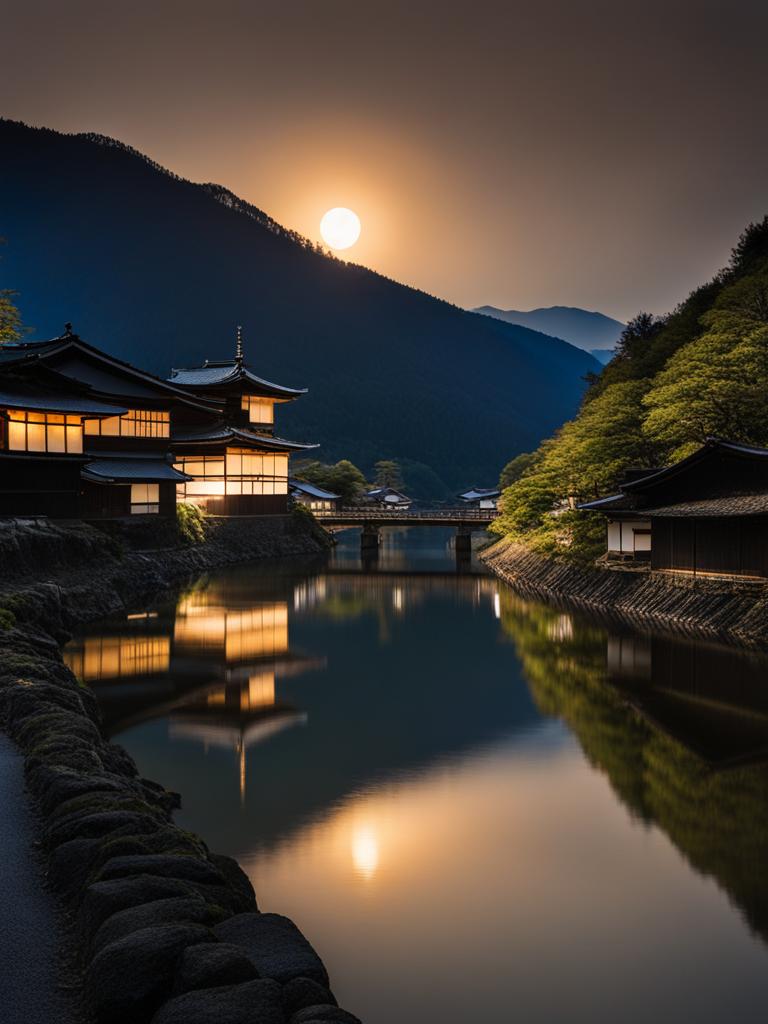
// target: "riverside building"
[[86, 435], [706, 515]]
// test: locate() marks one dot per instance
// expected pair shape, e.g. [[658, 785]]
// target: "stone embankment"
[[163, 930], [727, 608]]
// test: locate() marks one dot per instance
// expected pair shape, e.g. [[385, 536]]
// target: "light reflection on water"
[[477, 808]]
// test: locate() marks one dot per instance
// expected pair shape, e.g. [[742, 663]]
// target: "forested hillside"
[[700, 371], [159, 271]]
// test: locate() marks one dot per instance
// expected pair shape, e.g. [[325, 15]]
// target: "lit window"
[[243, 472], [135, 423], [260, 410], [44, 432], [145, 499]]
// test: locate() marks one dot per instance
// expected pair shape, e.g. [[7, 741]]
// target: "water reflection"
[[461, 796]]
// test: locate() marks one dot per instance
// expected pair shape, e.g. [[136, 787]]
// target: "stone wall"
[[163, 929], [728, 608]]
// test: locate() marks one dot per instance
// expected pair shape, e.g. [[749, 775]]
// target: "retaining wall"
[[727, 608]]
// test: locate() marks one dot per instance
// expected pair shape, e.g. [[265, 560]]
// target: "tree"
[[515, 468], [11, 328], [343, 478], [716, 384], [387, 474]]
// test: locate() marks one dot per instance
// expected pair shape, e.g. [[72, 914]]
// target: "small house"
[[482, 497], [315, 498], [706, 515], [388, 498]]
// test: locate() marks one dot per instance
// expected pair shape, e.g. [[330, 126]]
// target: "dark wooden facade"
[[708, 514], [730, 545]]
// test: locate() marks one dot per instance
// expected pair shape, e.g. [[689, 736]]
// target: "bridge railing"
[[382, 512]]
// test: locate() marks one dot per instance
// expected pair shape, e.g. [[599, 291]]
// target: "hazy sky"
[[601, 154]]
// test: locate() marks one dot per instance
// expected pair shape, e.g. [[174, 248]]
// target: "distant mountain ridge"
[[158, 271], [586, 329]]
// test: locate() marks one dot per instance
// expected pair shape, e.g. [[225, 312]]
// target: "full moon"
[[340, 228]]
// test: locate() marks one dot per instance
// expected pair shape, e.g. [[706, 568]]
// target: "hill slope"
[[159, 271], [581, 327], [675, 380]]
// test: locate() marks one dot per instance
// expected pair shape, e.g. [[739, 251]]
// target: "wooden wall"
[[734, 545]]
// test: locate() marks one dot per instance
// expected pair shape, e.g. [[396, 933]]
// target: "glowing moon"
[[340, 228]]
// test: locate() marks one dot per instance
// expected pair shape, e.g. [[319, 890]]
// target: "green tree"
[[343, 478], [11, 328], [716, 384], [516, 468], [387, 474]]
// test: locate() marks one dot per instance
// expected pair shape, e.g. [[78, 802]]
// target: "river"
[[477, 808]]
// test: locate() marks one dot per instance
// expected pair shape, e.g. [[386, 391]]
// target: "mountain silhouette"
[[159, 271], [594, 332]]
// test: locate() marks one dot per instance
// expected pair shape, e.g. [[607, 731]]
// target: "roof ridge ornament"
[[239, 346], [67, 330]]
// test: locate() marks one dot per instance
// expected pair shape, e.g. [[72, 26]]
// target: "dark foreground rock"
[[163, 930]]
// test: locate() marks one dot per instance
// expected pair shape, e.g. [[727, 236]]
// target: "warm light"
[[340, 228], [365, 851]]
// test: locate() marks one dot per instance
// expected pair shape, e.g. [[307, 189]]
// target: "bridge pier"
[[370, 538], [463, 543]]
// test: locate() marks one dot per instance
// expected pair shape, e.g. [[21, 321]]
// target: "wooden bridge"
[[372, 519]]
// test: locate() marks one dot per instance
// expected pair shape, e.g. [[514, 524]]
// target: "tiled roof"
[[223, 432], [612, 501], [311, 489], [732, 505], [22, 399], [225, 373], [132, 471], [476, 493]]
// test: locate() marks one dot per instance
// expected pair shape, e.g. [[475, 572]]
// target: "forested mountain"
[[158, 271], [594, 332], [700, 371]]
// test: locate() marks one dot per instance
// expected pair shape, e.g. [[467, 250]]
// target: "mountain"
[[594, 332], [159, 271]]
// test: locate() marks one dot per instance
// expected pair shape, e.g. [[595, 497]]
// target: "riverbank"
[[729, 609], [161, 928]]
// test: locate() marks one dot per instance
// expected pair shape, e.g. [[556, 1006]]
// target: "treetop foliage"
[[700, 371]]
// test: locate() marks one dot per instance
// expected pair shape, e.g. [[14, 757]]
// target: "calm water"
[[476, 807]]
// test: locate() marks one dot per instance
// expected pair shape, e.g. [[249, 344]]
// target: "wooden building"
[[387, 497], [481, 497], [86, 435], [707, 514], [315, 498], [237, 464]]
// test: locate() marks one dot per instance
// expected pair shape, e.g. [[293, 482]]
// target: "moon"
[[340, 228]]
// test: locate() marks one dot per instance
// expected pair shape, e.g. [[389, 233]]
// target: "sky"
[[521, 154]]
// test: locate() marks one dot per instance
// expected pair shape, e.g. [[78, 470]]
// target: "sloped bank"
[[164, 930], [731, 609]]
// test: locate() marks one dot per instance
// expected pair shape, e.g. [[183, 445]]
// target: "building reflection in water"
[[209, 664]]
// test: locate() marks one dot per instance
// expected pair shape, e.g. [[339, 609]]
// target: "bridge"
[[372, 519]]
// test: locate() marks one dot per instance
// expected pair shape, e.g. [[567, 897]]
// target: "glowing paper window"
[[44, 432], [134, 423], [260, 410], [145, 499], [242, 472]]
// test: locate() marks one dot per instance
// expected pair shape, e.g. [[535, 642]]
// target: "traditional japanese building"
[[481, 497], [237, 464], [315, 498], [707, 514], [85, 435], [387, 497]]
